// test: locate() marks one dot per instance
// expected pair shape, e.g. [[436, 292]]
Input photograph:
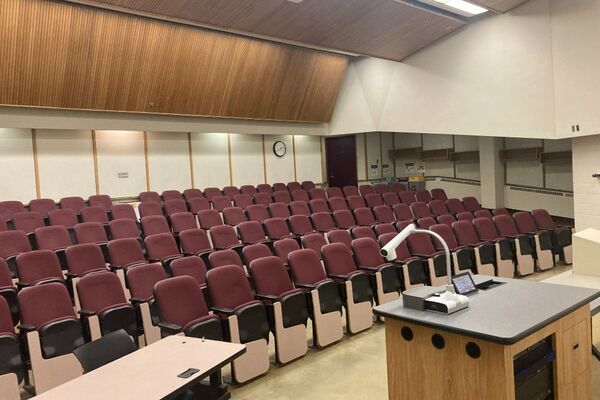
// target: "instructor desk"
[[470, 354]]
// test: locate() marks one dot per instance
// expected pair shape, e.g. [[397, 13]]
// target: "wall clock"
[[279, 148]]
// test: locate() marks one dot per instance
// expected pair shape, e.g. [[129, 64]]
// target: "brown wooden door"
[[341, 161]]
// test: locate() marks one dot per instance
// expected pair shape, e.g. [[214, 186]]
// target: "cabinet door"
[[576, 351]]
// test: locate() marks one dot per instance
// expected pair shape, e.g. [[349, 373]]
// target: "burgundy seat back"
[[420, 243], [231, 191], [229, 287], [300, 225], [366, 189], [344, 219], [373, 200], [6, 323], [455, 206], [248, 190], [543, 220], [300, 208], [264, 188], [189, 194], [408, 197], [174, 206], [363, 231], [403, 212], [333, 192], [438, 208], [142, 278], [366, 252], [211, 192], [425, 223], [255, 251], [180, 300], [280, 187], [279, 210], [284, 247], [183, 221], [10, 208], [98, 292], [223, 236], [338, 203], [483, 213], [66, 218], [123, 228], [190, 266], [307, 185], [234, 216], [420, 210], [27, 221], [350, 191], [355, 202], [471, 203], [300, 195], [465, 216], [384, 214], [306, 267], [270, 276], [36, 265], [225, 257], [221, 202], [169, 195], [123, 211], [123, 252], [424, 196], [74, 203], [291, 186], [198, 204], [209, 219], [276, 228], [42, 304], [314, 242], [501, 211], [257, 212], [155, 224], [152, 197], [94, 214], [318, 205], [446, 219], [364, 216], [282, 197], [381, 188], [160, 246], [263, 198], [323, 221], [5, 279], [316, 194], [447, 234], [83, 258], [391, 199], [397, 187], [338, 259], [251, 232], [100, 200], [506, 226], [242, 200], [194, 241], [43, 206], [439, 194], [340, 236], [150, 208], [465, 233], [525, 222], [52, 237], [485, 228]]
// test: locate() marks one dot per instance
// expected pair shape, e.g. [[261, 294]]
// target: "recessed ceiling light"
[[464, 6], [296, 1]]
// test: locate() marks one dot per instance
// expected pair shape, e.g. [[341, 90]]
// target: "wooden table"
[[151, 372], [469, 354]]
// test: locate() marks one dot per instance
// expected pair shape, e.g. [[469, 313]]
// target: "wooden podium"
[[470, 354]]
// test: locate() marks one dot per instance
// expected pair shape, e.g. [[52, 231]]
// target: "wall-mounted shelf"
[[530, 153], [557, 156], [464, 156], [410, 153], [435, 155]]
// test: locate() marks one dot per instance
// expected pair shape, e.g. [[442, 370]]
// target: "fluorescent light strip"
[[464, 6]]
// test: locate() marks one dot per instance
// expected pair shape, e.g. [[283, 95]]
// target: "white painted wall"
[[247, 160], [210, 156], [308, 158], [16, 165], [586, 189], [121, 151], [279, 169], [66, 163], [168, 161]]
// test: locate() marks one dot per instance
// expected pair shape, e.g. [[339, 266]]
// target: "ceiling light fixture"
[[464, 6]]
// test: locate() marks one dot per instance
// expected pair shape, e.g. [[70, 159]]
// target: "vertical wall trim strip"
[[366, 157], [36, 168], [264, 150], [229, 158], [146, 161], [95, 155], [192, 178], [394, 148], [323, 161], [294, 155]]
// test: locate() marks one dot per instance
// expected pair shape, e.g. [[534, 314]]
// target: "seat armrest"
[[305, 286], [222, 310], [169, 329], [136, 301], [86, 313], [336, 276], [370, 269], [422, 255], [26, 328], [266, 297]]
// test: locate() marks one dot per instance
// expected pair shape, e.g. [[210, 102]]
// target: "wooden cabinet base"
[[429, 364]]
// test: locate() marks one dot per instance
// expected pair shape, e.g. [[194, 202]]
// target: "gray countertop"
[[504, 314]]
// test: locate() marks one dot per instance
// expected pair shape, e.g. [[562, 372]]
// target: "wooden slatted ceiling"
[[381, 28], [61, 55], [501, 6]]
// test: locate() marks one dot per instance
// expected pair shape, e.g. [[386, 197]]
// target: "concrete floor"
[[353, 369]]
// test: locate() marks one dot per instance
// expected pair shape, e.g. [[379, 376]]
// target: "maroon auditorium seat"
[[523, 243], [561, 235], [257, 212], [439, 194], [150, 196], [234, 216], [505, 257], [424, 196]]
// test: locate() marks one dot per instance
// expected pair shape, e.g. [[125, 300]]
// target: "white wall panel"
[[247, 164], [387, 144], [524, 172], [467, 170], [66, 163], [168, 161], [279, 169], [121, 152], [373, 155], [438, 168], [308, 158], [16, 165], [361, 161], [210, 159]]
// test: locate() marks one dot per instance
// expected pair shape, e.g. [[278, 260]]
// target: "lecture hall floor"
[[355, 368]]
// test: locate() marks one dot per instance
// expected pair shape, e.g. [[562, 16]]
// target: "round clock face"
[[279, 148]]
